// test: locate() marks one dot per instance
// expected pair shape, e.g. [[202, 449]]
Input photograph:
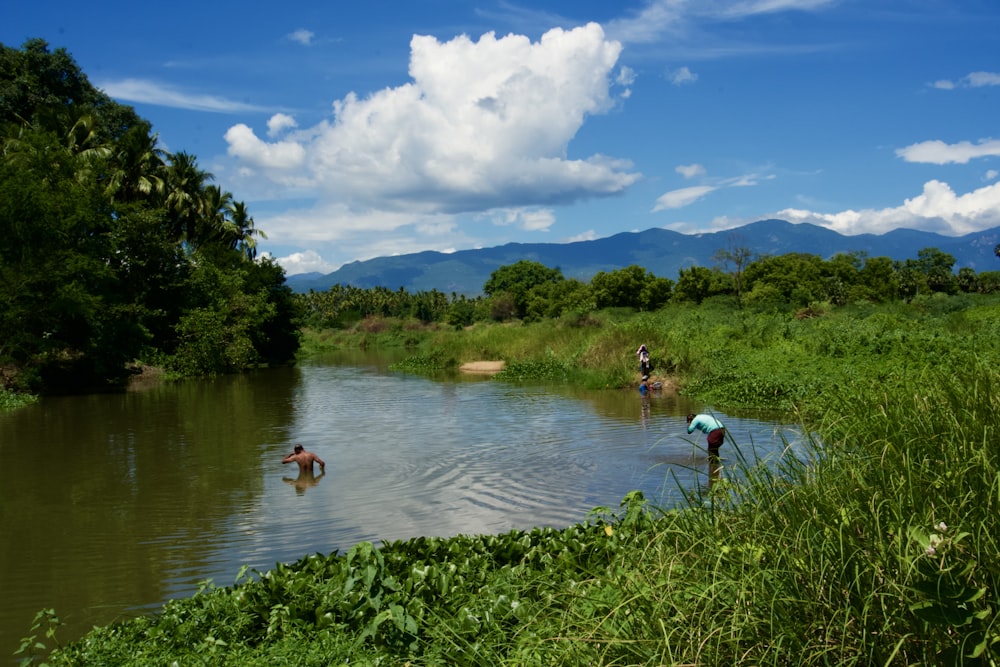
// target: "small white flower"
[[930, 551], [941, 527]]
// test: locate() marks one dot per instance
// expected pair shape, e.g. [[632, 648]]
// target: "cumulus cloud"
[[937, 209], [281, 155], [481, 125], [279, 123], [305, 262], [938, 152]]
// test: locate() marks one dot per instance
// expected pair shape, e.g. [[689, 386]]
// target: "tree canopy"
[[115, 250]]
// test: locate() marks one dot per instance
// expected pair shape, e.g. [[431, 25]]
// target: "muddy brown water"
[[113, 504]]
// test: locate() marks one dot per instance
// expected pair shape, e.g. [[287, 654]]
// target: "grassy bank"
[[880, 548], [728, 357]]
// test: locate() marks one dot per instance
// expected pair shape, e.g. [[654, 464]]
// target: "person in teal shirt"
[[710, 425]]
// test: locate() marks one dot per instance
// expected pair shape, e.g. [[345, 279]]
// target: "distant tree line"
[[530, 291], [115, 250]]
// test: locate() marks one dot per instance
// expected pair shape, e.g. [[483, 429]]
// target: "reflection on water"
[[112, 504], [306, 479]]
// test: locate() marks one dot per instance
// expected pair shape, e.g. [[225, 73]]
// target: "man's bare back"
[[304, 459]]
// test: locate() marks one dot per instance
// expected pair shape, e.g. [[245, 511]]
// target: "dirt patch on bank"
[[482, 367], [144, 377]]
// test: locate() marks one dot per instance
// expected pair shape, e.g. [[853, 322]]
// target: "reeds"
[[877, 548]]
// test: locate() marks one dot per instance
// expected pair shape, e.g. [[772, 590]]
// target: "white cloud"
[[936, 209], [302, 36], [538, 219], [971, 80], [151, 92], [588, 235], [682, 197], [979, 79], [690, 170], [659, 17], [685, 196], [279, 123], [680, 76], [743, 8], [281, 155], [304, 262], [938, 152], [625, 78], [991, 175], [481, 125]]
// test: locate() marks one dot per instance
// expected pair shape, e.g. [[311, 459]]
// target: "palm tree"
[[241, 230], [214, 208], [79, 149], [137, 166], [185, 188]]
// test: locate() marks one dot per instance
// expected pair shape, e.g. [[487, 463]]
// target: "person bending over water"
[[708, 424], [304, 459]]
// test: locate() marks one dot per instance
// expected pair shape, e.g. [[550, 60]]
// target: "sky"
[[355, 130]]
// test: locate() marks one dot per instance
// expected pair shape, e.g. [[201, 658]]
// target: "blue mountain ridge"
[[661, 252]]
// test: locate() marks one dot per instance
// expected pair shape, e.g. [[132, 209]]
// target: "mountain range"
[[661, 252]]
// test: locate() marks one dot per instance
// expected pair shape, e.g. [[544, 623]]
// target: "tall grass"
[[875, 545]]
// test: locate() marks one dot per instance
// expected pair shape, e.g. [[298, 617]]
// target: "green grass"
[[879, 545], [10, 400]]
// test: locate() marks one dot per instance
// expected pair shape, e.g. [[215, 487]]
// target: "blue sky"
[[357, 130]]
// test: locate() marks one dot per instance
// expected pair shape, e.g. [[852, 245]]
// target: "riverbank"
[[862, 556], [876, 546]]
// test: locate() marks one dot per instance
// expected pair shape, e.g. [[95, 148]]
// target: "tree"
[[621, 288], [937, 267], [239, 231], [967, 281], [110, 253], [185, 202], [631, 287], [877, 281], [697, 283], [517, 280], [734, 259], [34, 80], [136, 167], [798, 277], [558, 298]]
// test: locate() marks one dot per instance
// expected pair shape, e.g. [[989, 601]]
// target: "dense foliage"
[[116, 251]]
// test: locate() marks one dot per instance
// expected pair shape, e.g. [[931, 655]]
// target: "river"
[[114, 503]]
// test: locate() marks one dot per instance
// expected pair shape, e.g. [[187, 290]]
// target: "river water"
[[114, 503]]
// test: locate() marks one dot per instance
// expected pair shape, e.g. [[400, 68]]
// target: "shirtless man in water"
[[304, 459]]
